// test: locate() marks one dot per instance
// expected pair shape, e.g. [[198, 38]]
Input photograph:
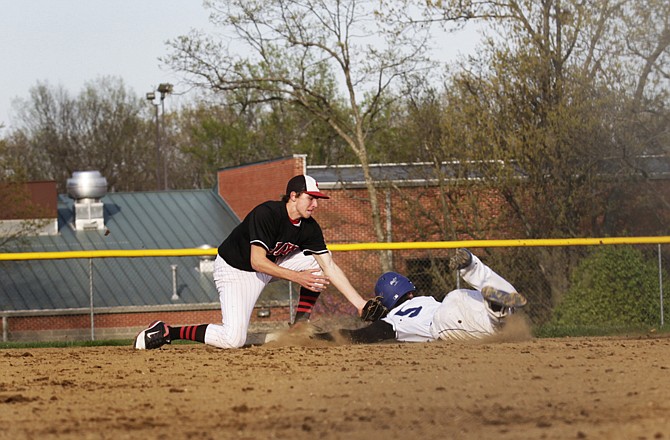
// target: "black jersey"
[[269, 225]]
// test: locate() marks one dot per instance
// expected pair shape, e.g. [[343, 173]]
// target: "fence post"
[[5, 330], [175, 295], [389, 225], [90, 296], [660, 280], [290, 302]]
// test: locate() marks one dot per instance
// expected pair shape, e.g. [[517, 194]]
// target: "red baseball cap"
[[306, 184]]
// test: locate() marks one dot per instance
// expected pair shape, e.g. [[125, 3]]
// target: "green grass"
[[549, 331], [65, 344]]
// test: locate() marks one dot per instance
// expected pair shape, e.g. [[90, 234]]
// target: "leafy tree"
[[613, 286], [563, 96], [208, 136], [101, 128], [542, 96]]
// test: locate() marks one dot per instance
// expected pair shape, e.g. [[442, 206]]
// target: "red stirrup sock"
[[305, 304], [189, 332]]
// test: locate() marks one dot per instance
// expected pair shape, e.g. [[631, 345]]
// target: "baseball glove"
[[374, 310], [460, 260]]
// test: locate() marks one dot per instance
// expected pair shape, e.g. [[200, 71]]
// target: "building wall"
[[25, 201], [73, 327], [346, 216], [245, 187], [644, 210]]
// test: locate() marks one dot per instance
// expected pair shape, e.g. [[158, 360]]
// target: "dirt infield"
[[572, 388]]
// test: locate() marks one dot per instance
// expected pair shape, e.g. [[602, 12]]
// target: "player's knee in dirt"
[[220, 337]]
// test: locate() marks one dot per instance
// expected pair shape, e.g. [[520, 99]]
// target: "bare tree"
[[101, 128], [563, 90], [550, 116], [339, 60]]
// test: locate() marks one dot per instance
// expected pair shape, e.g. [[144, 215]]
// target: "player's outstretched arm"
[[340, 280], [378, 331]]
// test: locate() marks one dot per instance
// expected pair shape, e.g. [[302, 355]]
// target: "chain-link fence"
[[568, 287], [597, 287], [72, 298]]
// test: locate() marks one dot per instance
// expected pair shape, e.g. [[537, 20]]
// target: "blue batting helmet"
[[392, 286]]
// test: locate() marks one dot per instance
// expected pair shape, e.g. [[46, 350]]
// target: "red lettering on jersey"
[[282, 249]]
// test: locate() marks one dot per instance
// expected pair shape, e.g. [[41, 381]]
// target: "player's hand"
[[312, 279]]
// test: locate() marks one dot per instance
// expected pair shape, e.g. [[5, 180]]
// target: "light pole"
[[164, 89], [151, 97]]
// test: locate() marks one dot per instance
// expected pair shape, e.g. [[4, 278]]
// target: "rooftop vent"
[[87, 188]]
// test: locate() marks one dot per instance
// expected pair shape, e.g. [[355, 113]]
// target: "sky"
[[71, 42]]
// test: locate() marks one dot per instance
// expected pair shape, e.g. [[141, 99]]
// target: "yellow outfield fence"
[[409, 245]]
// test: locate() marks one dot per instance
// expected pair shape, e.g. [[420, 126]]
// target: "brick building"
[[53, 300]]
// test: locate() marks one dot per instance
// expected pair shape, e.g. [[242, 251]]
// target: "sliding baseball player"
[[462, 314]]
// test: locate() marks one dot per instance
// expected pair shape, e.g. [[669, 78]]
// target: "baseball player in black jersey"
[[277, 239]]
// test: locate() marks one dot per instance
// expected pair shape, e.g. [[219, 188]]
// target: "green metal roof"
[[141, 220]]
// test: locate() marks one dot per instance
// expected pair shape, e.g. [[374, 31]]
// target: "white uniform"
[[238, 292], [463, 314], [412, 320]]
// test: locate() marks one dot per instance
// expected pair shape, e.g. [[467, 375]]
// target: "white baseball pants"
[[478, 275], [238, 292], [463, 313]]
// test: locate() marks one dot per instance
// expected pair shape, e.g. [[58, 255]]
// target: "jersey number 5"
[[410, 313]]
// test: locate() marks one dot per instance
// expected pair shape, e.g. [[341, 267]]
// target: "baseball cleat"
[[504, 299], [155, 336], [461, 259]]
